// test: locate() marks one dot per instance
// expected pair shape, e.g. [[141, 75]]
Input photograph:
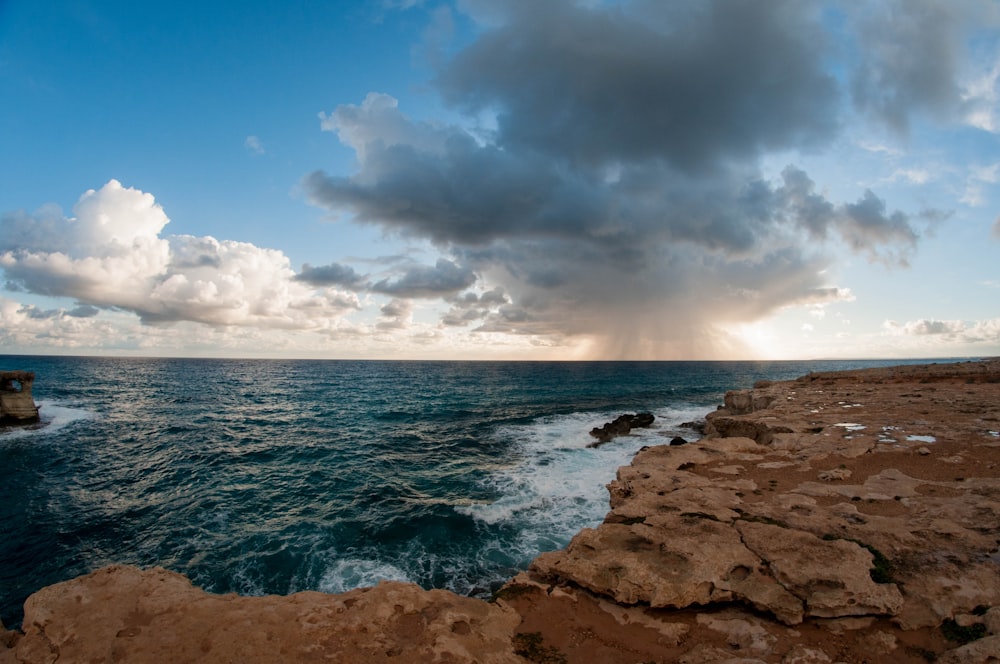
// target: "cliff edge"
[[839, 517]]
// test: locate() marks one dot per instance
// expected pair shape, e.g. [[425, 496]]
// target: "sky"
[[500, 179]]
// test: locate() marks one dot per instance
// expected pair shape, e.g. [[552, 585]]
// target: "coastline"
[[758, 543]]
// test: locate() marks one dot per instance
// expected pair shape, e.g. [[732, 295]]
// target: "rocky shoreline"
[[840, 517]]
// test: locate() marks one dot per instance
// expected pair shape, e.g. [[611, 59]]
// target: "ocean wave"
[[357, 572], [53, 418], [556, 483]]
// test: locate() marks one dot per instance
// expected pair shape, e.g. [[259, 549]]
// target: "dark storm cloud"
[[469, 307], [866, 225], [459, 192], [620, 193], [688, 83], [443, 278], [83, 311], [909, 57], [333, 274]]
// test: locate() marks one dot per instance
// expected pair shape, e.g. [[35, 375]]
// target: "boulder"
[[621, 426]]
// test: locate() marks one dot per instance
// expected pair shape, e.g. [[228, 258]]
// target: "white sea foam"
[[557, 484], [348, 573], [53, 416]]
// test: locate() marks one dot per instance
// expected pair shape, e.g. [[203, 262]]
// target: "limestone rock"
[[801, 654], [676, 564], [992, 620], [121, 613], [832, 577], [16, 403], [7, 638], [830, 470], [834, 475], [741, 634], [671, 632], [742, 402], [706, 654], [981, 651]]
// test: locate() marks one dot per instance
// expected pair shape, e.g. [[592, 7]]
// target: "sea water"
[[271, 477]]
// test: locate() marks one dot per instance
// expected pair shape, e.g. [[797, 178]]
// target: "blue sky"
[[500, 179]]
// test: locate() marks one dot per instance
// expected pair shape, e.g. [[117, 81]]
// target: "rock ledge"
[[840, 517]]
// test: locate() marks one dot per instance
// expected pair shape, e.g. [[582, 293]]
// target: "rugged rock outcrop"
[[16, 403], [123, 614], [870, 496], [842, 517], [620, 426]]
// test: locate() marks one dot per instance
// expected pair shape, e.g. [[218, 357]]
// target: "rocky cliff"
[[841, 517]]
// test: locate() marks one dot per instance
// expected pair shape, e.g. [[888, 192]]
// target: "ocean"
[[271, 477]]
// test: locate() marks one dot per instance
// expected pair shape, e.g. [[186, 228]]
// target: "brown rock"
[[982, 651], [673, 563], [16, 403], [621, 426], [687, 566], [832, 577], [123, 614]]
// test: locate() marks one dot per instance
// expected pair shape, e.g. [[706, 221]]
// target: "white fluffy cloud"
[[947, 332], [110, 254]]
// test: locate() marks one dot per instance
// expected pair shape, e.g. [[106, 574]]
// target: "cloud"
[[581, 254], [618, 195], [333, 274], [471, 307], [867, 225], [911, 175], [925, 327], [82, 311], [253, 145], [685, 83], [444, 278], [909, 54], [981, 95], [947, 331], [27, 327], [111, 255], [397, 314], [977, 177]]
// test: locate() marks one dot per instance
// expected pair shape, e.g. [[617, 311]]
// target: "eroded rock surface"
[[123, 614], [869, 496], [16, 403], [842, 517]]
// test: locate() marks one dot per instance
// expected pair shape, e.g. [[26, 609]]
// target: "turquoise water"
[[262, 477]]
